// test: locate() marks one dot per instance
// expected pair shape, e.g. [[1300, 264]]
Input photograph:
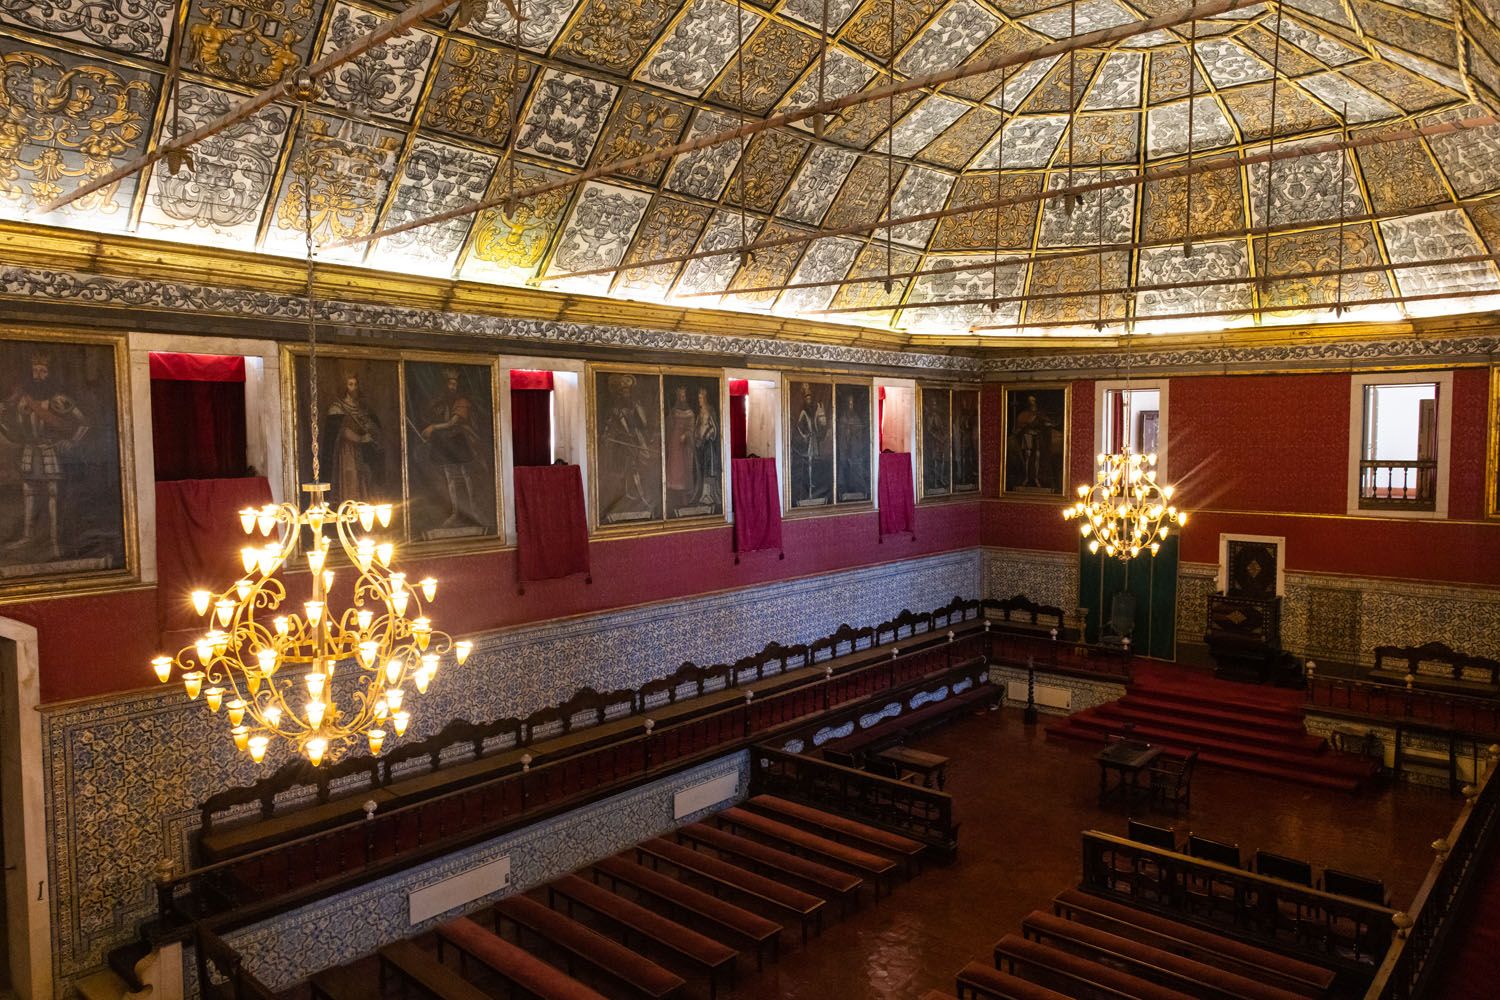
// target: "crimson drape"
[[757, 504], [531, 425], [552, 530], [739, 410], [197, 367], [880, 416], [525, 378], [897, 502], [198, 428], [198, 540]]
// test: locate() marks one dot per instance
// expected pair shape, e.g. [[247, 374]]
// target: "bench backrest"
[[1436, 659]]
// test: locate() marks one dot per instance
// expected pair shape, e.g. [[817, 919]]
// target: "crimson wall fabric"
[[757, 504], [897, 502], [552, 529], [198, 540]]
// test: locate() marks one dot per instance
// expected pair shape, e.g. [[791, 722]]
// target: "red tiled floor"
[[1023, 802]]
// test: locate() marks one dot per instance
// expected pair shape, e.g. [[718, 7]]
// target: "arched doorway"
[[26, 920]]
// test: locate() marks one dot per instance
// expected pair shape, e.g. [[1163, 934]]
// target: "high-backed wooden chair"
[[1172, 781]]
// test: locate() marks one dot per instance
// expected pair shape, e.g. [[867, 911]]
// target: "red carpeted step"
[[1326, 771], [1126, 710], [1288, 721], [1166, 735], [1228, 702]]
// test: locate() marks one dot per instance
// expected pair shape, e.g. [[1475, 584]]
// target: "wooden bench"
[[511, 962], [862, 834], [712, 957], [1068, 973], [744, 925], [979, 980], [608, 956], [810, 843], [1148, 962], [823, 879], [413, 965], [784, 898], [341, 983], [1193, 942]]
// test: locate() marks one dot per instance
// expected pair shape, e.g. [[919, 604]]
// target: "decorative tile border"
[[124, 775], [373, 321], [1343, 618], [1315, 354], [333, 931], [1044, 577]]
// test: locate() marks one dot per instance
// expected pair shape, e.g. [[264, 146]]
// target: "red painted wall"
[[479, 592], [1258, 454]]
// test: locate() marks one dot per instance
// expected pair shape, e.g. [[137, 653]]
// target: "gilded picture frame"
[[811, 440], [1036, 436], [371, 439], [65, 408], [658, 449], [948, 461], [1492, 449]]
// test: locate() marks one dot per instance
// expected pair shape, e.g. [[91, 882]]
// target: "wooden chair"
[[1282, 867], [1214, 850], [1156, 836], [1292, 916], [1172, 780], [1371, 890], [1205, 893]]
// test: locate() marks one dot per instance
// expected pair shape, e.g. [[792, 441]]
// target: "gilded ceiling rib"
[[409, 18], [1094, 39], [1374, 137], [1215, 282]]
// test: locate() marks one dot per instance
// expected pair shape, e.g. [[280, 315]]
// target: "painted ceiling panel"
[[440, 118]]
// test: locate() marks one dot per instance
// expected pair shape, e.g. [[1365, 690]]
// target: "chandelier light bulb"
[[252, 635], [461, 650]]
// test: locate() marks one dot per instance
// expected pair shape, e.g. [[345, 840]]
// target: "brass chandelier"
[[273, 672]]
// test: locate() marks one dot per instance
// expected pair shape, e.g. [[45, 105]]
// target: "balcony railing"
[[1404, 485]]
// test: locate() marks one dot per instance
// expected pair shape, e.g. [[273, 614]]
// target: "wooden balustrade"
[[221, 974], [1410, 963], [923, 814], [1339, 932], [1377, 702]]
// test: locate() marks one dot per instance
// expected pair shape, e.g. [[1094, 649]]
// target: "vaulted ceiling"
[[438, 119]]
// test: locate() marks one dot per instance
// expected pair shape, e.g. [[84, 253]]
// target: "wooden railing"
[[1408, 485], [1377, 702], [1409, 965], [1337, 931], [1059, 656], [271, 880], [920, 813], [221, 974]]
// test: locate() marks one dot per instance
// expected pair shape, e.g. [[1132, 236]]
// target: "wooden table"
[[932, 767], [1129, 758]]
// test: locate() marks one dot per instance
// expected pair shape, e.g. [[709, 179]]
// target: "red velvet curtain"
[[551, 527], [198, 541], [531, 417], [197, 415], [757, 504], [880, 418], [897, 502], [739, 410]]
